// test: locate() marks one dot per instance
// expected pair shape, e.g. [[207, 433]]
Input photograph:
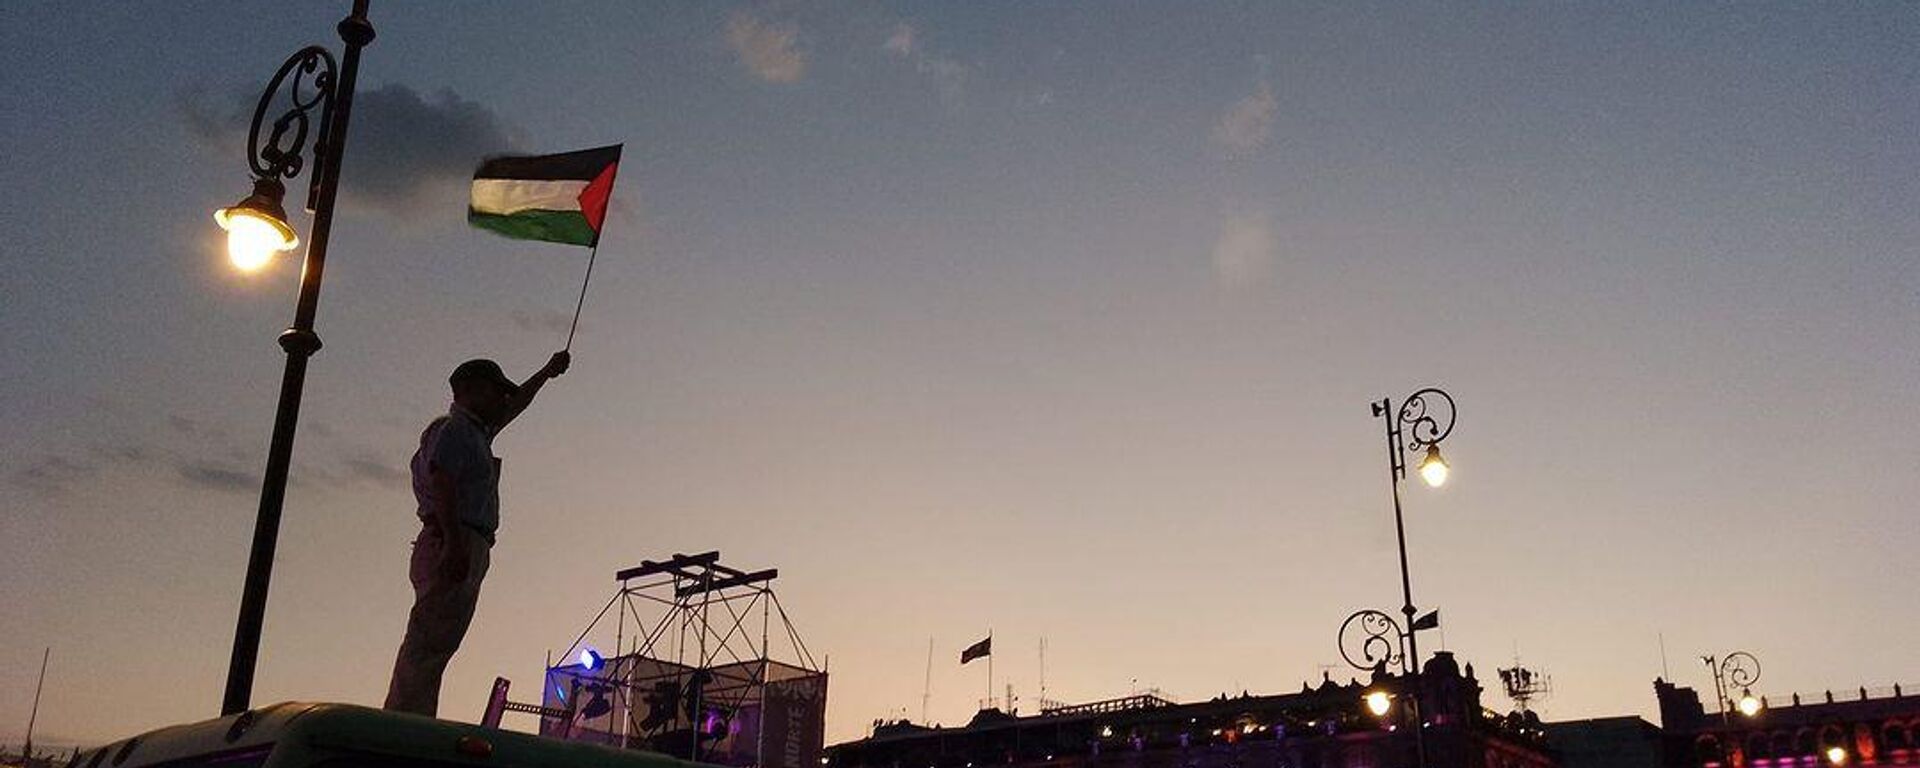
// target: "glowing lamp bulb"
[[1378, 702], [1749, 705], [1433, 468], [1836, 755], [257, 226], [590, 659]]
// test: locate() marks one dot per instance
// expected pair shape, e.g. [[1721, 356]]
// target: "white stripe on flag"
[[509, 196]]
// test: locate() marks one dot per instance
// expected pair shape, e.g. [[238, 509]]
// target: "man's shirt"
[[460, 446]]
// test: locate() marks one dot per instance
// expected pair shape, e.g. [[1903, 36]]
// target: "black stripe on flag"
[[977, 650], [584, 165]]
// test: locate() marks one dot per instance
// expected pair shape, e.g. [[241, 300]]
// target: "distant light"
[[590, 658], [1749, 705], [823, 759], [1378, 702], [1106, 731], [1836, 755], [1433, 468]]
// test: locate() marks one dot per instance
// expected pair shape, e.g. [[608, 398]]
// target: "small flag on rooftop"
[[977, 650], [555, 198]]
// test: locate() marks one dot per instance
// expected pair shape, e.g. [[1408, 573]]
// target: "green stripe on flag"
[[568, 227]]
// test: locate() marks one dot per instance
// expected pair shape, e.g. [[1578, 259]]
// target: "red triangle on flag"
[[593, 199]]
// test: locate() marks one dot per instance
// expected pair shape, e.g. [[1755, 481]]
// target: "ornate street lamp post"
[[1734, 670], [1424, 419], [257, 227], [1371, 639]]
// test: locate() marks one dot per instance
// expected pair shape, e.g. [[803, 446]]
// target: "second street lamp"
[[1738, 669], [257, 228]]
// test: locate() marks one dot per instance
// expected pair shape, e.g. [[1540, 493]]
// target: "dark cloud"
[[402, 144], [124, 453], [218, 477], [403, 147]]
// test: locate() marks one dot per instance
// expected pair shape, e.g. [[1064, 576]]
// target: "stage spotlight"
[[590, 659]]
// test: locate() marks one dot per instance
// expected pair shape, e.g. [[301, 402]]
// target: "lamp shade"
[[257, 226]]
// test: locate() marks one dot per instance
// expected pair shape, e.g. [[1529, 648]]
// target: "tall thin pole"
[[926, 692], [591, 255], [1043, 671], [989, 667], [26, 752], [619, 649], [300, 342], [1396, 468]]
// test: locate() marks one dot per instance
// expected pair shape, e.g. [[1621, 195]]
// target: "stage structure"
[[692, 671]]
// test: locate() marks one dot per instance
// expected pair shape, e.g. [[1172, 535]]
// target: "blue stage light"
[[590, 659]]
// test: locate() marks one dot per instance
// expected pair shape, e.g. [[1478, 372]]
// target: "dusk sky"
[[1059, 319]]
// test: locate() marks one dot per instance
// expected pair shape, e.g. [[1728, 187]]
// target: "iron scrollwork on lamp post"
[[257, 228], [1372, 640], [1738, 669]]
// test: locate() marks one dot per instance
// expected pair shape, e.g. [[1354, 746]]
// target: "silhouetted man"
[[456, 480]]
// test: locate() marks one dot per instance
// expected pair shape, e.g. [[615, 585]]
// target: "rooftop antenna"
[[926, 692], [1523, 685], [26, 752], [1043, 670]]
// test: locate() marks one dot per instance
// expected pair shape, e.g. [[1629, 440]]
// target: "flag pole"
[[989, 667], [591, 255]]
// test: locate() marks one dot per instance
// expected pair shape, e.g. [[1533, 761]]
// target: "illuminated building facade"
[[1324, 726], [1857, 728]]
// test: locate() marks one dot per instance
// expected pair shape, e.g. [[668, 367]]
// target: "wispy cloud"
[[403, 150], [1245, 252], [377, 471], [1248, 124], [948, 75], [213, 476], [769, 50], [52, 475], [900, 43], [204, 456], [541, 321]]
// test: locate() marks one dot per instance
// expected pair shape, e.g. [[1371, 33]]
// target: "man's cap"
[[483, 370]]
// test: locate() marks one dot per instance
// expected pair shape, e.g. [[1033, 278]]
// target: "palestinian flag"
[[557, 198]]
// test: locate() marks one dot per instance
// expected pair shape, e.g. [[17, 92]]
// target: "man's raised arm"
[[555, 366]]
